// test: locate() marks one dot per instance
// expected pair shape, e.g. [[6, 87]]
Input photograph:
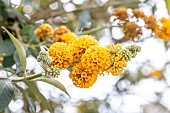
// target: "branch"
[[16, 28], [17, 79], [88, 7], [96, 29]]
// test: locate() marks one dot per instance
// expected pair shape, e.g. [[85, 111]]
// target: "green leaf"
[[33, 52], [19, 48], [8, 61], [53, 82], [29, 100], [84, 19], [34, 89], [6, 48], [168, 5], [26, 30], [6, 93]]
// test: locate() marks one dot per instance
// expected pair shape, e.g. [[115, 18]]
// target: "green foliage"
[[55, 83], [34, 89], [6, 93], [8, 61], [6, 48], [20, 50], [29, 100], [168, 5]]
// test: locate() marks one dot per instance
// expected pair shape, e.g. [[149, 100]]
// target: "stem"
[[18, 79], [7, 69], [97, 29]]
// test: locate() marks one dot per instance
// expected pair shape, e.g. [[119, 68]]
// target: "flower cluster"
[[44, 32], [44, 56], [82, 44], [54, 71], [131, 28], [163, 31], [47, 60], [81, 77], [58, 34], [121, 13], [69, 38], [87, 59], [62, 54], [117, 61]]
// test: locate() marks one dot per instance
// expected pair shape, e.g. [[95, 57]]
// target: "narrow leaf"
[[168, 5], [6, 93], [53, 82], [25, 94], [34, 89], [19, 48]]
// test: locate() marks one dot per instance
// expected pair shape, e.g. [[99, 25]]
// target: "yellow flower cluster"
[[62, 54], [150, 22], [82, 44], [44, 32], [81, 77], [58, 32], [95, 59], [85, 41], [163, 31], [87, 59], [69, 38], [121, 13], [132, 30], [117, 61]]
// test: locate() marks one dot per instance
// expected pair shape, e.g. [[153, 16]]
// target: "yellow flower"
[[95, 59], [163, 32], [117, 61], [138, 14], [132, 30], [85, 41], [156, 73], [82, 44], [58, 32], [44, 32], [150, 22], [69, 38], [81, 77], [121, 13], [62, 54]]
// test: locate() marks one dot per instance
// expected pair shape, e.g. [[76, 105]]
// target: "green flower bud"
[[43, 56], [133, 49], [126, 54], [53, 71]]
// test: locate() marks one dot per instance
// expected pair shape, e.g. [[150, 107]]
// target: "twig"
[[88, 7], [15, 27], [96, 29], [17, 79]]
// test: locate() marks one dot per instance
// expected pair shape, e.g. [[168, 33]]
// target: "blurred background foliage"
[[21, 18]]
